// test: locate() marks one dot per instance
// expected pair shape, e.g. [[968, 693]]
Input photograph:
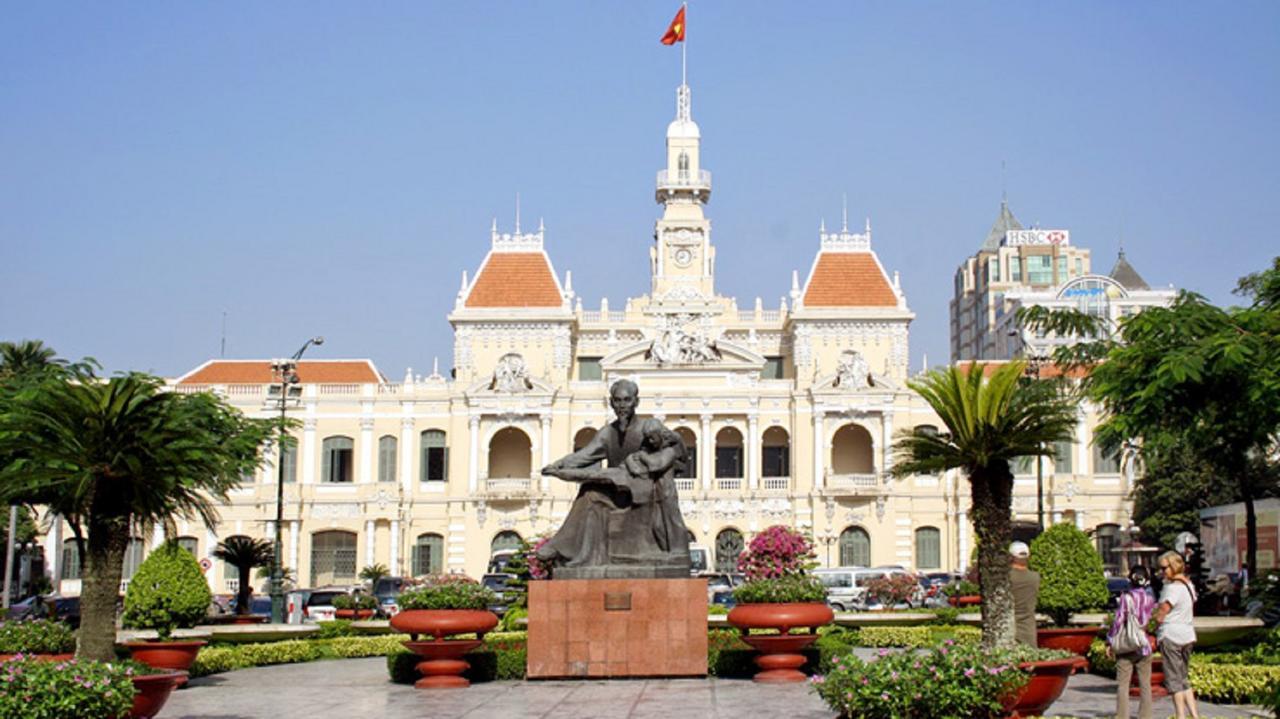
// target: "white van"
[[847, 586]]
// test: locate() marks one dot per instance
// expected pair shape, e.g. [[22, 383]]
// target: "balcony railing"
[[731, 484], [510, 486], [685, 484], [775, 484], [853, 482], [700, 180]]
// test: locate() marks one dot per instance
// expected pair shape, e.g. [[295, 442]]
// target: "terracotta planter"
[[442, 664], [1048, 680], [968, 600], [1076, 640], [153, 692], [41, 657], [780, 659], [175, 655], [355, 614]]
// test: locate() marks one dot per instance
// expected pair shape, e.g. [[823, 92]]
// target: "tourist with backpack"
[[1128, 644], [1176, 634]]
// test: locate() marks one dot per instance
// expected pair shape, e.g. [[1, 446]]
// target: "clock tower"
[[682, 260]]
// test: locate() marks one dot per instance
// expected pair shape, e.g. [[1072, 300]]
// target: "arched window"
[[1107, 537], [510, 454], [428, 554], [729, 545], [435, 457], [775, 453], [333, 558], [851, 451], [70, 560], [337, 456], [387, 450], [690, 468], [191, 544], [928, 548], [133, 555], [729, 453], [583, 437], [855, 547], [290, 462], [505, 540], [1105, 462]]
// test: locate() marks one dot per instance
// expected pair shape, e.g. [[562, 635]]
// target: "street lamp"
[[286, 371]]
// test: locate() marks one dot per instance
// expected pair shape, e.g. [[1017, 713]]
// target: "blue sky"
[[332, 168]]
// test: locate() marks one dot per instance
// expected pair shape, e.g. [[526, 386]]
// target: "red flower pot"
[[1076, 640], [176, 655], [442, 664], [780, 659], [355, 614], [968, 600], [1048, 680], [153, 691]]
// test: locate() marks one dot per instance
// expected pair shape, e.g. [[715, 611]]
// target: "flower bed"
[[36, 636], [36, 689]]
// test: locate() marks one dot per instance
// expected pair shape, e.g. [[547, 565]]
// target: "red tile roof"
[[259, 372], [848, 279], [515, 279]]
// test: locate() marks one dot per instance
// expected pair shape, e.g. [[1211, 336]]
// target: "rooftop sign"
[[1019, 238]]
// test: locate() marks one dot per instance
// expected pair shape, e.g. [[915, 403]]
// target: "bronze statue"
[[625, 521]]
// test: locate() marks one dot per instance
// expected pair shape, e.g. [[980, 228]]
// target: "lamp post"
[[286, 371]]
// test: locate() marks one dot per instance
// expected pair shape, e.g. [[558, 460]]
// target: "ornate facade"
[[790, 411]]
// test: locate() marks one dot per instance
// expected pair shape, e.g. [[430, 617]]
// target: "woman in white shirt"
[[1176, 634]]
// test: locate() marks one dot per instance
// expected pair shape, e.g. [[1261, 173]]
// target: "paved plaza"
[[359, 687]]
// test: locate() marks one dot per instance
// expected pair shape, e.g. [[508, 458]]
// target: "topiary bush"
[[167, 592], [1071, 577]]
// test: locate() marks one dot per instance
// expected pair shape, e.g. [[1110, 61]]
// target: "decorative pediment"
[[728, 356]]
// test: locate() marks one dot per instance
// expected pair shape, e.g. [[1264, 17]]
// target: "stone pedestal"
[[581, 628]]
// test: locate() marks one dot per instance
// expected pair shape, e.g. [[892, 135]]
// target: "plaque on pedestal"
[[597, 628]]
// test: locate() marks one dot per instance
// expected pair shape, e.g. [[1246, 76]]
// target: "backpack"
[[1132, 637]]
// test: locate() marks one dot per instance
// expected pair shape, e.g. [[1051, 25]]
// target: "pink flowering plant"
[[950, 680], [35, 689], [36, 636], [894, 589], [776, 564], [538, 569], [446, 591]]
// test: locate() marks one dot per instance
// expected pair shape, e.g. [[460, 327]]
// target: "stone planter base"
[[780, 659], [442, 664], [153, 692]]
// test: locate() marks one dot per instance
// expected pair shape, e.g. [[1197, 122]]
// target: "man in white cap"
[[1026, 590]]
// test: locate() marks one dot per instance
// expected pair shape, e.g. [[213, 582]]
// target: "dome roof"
[[683, 129]]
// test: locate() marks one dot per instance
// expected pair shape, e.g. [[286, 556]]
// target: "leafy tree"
[[109, 455], [988, 424], [244, 553], [288, 577], [373, 573], [167, 592], [1174, 485], [1071, 576]]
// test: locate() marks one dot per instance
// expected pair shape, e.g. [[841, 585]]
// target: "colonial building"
[[788, 410]]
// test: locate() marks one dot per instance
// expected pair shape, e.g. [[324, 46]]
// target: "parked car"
[[386, 591], [319, 604], [847, 586], [717, 583]]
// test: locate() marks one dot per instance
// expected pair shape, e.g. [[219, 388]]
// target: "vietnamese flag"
[[675, 33]]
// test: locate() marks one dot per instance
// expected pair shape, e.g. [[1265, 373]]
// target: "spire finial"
[[822, 226], [517, 213], [844, 212], [1004, 186], [541, 227]]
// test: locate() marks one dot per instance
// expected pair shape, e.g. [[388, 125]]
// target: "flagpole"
[[684, 47]]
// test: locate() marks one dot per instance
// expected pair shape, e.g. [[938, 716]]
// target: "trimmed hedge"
[[224, 658], [1212, 678]]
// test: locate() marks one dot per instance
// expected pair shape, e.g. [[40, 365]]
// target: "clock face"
[[683, 257]]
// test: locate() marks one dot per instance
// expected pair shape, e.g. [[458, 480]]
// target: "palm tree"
[[988, 424], [373, 573], [110, 456], [244, 554]]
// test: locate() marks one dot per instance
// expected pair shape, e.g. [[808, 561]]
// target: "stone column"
[[157, 536], [753, 450], [53, 550], [819, 444], [473, 466], [366, 451], [368, 541], [294, 531], [308, 450], [546, 449], [962, 524], [406, 454], [886, 442], [708, 451], [395, 547]]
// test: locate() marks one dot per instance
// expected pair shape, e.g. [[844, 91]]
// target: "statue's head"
[[624, 395]]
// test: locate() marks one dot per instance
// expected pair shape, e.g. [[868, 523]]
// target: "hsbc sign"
[[1019, 238]]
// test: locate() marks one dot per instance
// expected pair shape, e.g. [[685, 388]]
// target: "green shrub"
[[1099, 662], [354, 601], [1233, 683], [334, 628], [36, 636], [717, 610], [791, 588], [962, 588], [1071, 577], [514, 614], [287, 652], [167, 592], [352, 647], [215, 660], [447, 592], [37, 689], [402, 666]]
